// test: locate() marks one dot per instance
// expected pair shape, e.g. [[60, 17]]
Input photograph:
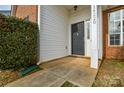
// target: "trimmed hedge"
[[18, 43]]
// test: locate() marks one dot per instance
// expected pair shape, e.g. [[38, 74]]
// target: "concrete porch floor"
[[73, 69]]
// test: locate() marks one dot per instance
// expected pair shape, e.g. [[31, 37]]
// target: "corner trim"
[[38, 19]]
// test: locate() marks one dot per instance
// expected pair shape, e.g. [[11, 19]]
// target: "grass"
[[110, 74], [68, 84], [117, 64]]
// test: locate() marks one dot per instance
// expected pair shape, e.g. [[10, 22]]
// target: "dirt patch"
[[7, 76], [111, 74]]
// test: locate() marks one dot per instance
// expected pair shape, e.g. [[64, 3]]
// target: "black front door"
[[78, 38]]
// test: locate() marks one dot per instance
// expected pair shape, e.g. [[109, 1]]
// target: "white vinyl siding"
[[53, 32]]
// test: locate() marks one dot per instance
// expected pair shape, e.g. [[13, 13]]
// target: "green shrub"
[[18, 43]]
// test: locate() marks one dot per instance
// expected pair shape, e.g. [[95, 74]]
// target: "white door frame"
[[85, 36]]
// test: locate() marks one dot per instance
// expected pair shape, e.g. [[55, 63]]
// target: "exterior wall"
[[110, 52], [53, 32], [22, 11]]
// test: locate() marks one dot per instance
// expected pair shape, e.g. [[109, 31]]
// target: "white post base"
[[94, 59]]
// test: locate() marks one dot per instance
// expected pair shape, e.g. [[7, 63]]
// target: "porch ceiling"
[[70, 7]]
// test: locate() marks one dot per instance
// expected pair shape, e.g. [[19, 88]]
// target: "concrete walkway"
[[73, 69]]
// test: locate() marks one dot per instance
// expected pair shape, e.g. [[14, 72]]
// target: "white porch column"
[[94, 36], [100, 32]]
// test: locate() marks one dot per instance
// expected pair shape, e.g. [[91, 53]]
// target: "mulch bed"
[[7, 76]]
